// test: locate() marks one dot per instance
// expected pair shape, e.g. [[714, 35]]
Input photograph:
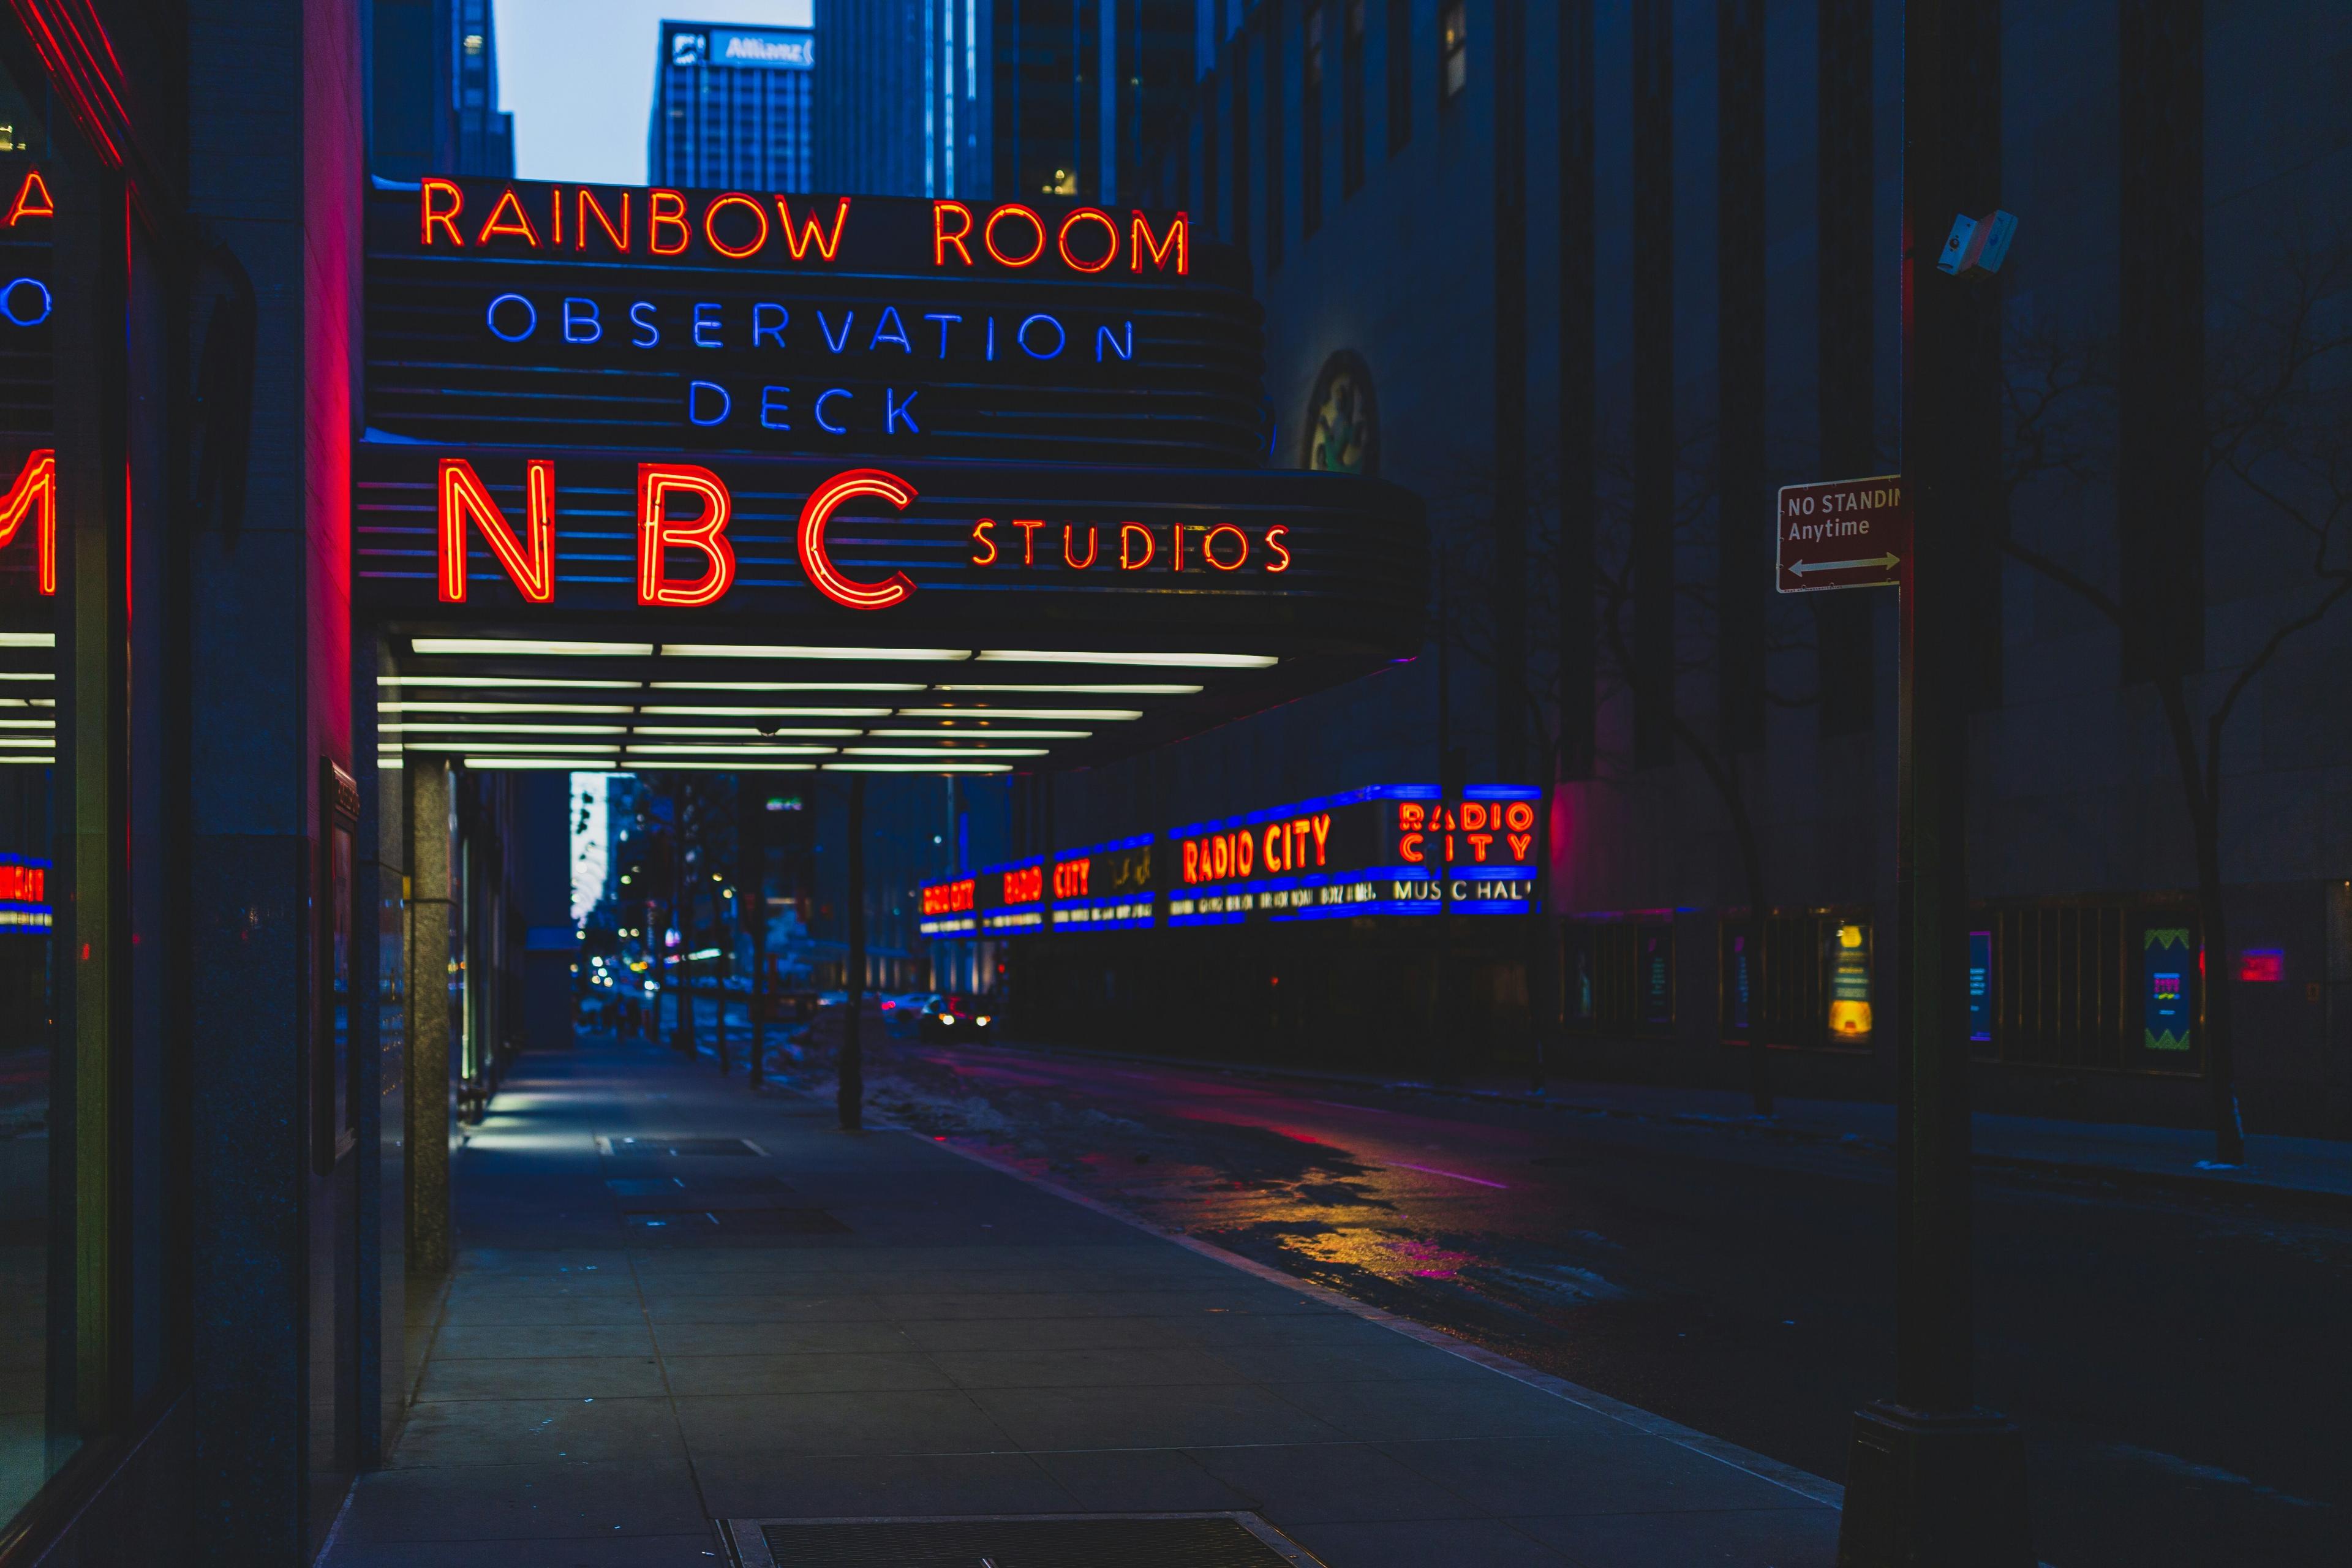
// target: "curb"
[[1803, 1483], [2181, 1182]]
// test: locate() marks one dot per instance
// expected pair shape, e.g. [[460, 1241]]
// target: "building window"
[[1240, 143], [1399, 74], [2109, 985], [1351, 99], [1342, 427], [1274, 135], [1211, 196], [1452, 51], [1813, 986], [1620, 972], [1310, 123]]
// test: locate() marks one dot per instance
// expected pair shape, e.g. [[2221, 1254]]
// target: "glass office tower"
[[731, 108]]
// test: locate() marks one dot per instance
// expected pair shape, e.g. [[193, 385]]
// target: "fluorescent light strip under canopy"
[[991, 735], [748, 750], [671, 711], [772, 650], [487, 646], [1170, 661], [1109, 688], [688, 764], [432, 707], [462, 727], [43, 675], [942, 750], [567, 763], [918, 767], [1107, 715], [28, 639], [787, 686], [746, 730], [14, 758], [505, 682], [603, 749]]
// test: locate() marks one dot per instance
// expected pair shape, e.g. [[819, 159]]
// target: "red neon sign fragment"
[[818, 511], [657, 532], [460, 496]]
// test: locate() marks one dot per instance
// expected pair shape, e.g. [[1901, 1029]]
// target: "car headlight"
[[944, 1018], [982, 1020]]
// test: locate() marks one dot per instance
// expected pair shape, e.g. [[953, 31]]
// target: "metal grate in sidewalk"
[[1016, 1541], [682, 1148]]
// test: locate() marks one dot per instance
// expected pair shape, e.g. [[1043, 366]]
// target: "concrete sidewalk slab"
[[967, 1343]]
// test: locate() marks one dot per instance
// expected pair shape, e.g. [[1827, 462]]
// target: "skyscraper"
[[902, 98], [732, 106], [1085, 89], [435, 103]]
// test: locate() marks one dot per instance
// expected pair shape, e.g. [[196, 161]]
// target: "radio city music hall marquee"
[[1389, 849]]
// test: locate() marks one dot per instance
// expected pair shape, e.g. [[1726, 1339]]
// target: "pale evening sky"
[[579, 77]]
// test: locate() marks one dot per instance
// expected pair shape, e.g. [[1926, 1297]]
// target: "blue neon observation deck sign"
[[1386, 849]]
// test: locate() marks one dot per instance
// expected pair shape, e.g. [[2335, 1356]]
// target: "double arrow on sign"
[[1814, 519], [1801, 567]]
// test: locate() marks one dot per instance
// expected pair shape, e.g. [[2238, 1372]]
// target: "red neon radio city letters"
[[1480, 823], [1298, 845], [1024, 885], [21, 884], [735, 225], [1070, 878], [948, 898], [684, 506]]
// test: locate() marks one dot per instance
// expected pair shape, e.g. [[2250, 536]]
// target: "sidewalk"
[[2312, 1168], [644, 1340], [2316, 1170]]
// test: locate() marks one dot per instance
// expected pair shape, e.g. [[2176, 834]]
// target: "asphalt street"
[[2181, 1365]]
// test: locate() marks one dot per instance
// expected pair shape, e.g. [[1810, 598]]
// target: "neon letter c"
[[818, 510]]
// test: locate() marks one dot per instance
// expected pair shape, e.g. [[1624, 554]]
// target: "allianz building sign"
[[780, 47]]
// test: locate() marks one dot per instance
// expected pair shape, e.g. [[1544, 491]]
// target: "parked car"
[[956, 1018]]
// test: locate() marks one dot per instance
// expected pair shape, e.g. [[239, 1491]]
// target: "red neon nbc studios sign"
[[685, 507]]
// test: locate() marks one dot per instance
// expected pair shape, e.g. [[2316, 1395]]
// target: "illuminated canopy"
[[869, 484]]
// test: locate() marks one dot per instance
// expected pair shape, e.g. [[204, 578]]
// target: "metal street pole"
[[1933, 1481], [849, 1097], [754, 838]]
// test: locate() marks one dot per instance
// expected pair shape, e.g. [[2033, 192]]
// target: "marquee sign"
[[509, 532], [1106, 888], [24, 894], [1381, 850], [525, 313], [1011, 896]]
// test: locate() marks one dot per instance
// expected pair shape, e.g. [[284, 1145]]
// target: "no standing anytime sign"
[[1845, 533]]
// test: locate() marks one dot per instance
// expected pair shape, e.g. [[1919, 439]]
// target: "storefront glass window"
[[2168, 990], [1657, 974], [1848, 962]]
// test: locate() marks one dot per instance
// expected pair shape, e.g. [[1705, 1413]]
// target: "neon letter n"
[[530, 561]]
